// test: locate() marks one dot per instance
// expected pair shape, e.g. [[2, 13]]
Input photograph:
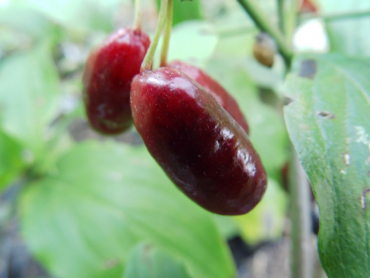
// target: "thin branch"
[[280, 7], [337, 16], [265, 25], [301, 253], [290, 18]]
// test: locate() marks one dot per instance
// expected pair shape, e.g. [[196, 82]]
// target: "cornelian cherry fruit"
[[208, 83], [202, 149], [107, 79]]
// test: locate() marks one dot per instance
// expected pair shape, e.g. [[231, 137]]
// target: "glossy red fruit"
[[107, 79], [196, 142], [223, 97]]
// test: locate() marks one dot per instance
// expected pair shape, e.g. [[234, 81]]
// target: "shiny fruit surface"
[[107, 79], [202, 149], [223, 97]]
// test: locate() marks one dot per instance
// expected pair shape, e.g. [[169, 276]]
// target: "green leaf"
[[82, 15], [348, 36], [146, 261], [266, 221], [24, 19], [11, 162], [184, 10], [192, 41], [328, 122], [29, 95], [226, 225], [101, 201]]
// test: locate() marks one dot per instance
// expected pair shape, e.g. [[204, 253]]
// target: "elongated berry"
[[107, 79], [203, 150], [206, 81]]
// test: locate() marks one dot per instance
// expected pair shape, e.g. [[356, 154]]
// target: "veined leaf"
[[328, 122], [104, 199], [349, 36], [149, 262], [29, 89]]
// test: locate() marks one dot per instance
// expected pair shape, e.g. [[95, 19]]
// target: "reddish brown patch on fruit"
[[109, 71], [203, 150], [207, 82], [307, 7]]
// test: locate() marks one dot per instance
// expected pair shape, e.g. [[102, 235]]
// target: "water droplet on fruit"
[[217, 146], [347, 159], [226, 134]]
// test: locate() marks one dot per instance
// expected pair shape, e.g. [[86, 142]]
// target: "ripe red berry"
[[109, 71], [207, 82], [203, 150]]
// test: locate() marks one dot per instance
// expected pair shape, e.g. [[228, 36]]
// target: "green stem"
[[301, 250], [337, 16], [290, 18], [148, 60], [264, 24], [280, 7], [167, 34], [138, 14]]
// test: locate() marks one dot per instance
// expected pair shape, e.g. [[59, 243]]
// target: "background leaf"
[[24, 19], [184, 10], [29, 88], [266, 221], [101, 201], [328, 122], [82, 15], [149, 262], [192, 41], [348, 36], [11, 161]]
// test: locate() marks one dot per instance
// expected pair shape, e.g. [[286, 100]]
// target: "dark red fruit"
[[109, 71], [207, 82], [307, 7], [203, 150]]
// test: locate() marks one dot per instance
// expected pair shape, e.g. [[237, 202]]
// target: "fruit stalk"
[[148, 60], [138, 14], [167, 33]]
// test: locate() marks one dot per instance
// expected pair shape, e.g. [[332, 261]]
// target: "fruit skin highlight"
[[207, 82], [202, 149], [107, 79]]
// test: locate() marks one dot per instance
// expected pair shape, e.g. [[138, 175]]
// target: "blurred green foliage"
[[87, 208], [105, 209], [184, 10]]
